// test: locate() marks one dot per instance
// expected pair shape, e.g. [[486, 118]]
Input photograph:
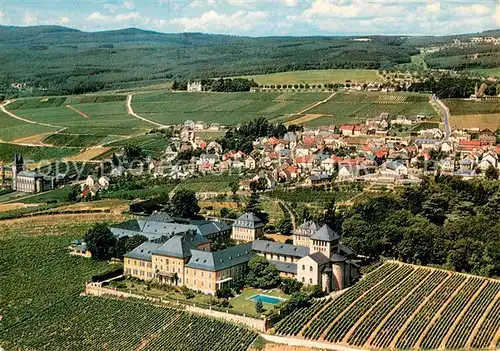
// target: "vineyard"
[[223, 108], [93, 114], [41, 309], [399, 306], [356, 107], [35, 153]]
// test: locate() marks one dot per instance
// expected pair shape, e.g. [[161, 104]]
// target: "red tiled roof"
[[470, 143], [346, 127], [304, 159]]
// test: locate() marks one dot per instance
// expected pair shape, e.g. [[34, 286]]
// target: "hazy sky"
[[261, 17]]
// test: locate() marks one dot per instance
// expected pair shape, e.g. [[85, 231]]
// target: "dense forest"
[[58, 60], [445, 221]]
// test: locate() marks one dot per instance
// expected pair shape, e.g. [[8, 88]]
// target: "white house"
[[104, 181]]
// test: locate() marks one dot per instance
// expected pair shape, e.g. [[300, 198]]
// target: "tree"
[[100, 241], [261, 274], [235, 186], [74, 193], [126, 244], [284, 226], [225, 293], [253, 206], [492, 173], [329, 218], [184, 204], [290, 285], [259, 307], [296, 301]]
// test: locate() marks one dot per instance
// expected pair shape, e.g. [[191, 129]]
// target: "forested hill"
[[62, 60], [68, 61]]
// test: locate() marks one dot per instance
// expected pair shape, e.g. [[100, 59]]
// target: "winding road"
[[131, 112]]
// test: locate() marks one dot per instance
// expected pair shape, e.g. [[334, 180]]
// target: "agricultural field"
[[13, 129], [87, 114], [323, 76], [400, 306], [210, 183], [35, 153], [154, 144], [224, 108], [474, 114], [74, 140], [461, 107], [488, 72], [356, 107], [45, 311]]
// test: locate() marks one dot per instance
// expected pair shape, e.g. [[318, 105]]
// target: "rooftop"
[[281, 249], [216, 261]]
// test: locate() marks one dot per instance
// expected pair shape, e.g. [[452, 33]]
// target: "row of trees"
[[451, 87], [242, 138], [221, 85]]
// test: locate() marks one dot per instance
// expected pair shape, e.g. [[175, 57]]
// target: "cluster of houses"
[[178, 252], [363, 152]]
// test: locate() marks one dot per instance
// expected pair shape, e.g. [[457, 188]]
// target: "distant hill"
[[65, 61]]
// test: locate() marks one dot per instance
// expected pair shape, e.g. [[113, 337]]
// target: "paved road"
[[445, 113], [131, 112]]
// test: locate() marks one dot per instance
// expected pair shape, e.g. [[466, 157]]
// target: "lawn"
[[12, 129], [323, 76], [34, 153], [243, 304], [356, 107], [224, 108]]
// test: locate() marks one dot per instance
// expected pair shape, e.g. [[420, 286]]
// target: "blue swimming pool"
[[267, 299]]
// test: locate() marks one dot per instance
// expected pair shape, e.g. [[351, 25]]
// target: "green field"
[[12, 129], [35, 153], [41, 308], [223, 108], [495, 72], [153, 144], [323, 76], [356, 107], [468, 107], [210, 183], [74, 140], [100, 115]]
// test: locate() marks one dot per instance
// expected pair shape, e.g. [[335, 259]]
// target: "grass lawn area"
[[242, 304], [318, 76]]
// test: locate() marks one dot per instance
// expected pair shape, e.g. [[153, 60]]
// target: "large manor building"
[[180, 253]]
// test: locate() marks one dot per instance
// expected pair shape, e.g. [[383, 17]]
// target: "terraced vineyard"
[[400, 306]]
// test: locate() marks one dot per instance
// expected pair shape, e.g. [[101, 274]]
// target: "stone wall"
[[96, 289]]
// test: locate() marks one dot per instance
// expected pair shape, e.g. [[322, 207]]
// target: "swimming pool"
[[267, 299]]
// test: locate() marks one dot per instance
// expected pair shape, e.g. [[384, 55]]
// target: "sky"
[[261, 17]]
